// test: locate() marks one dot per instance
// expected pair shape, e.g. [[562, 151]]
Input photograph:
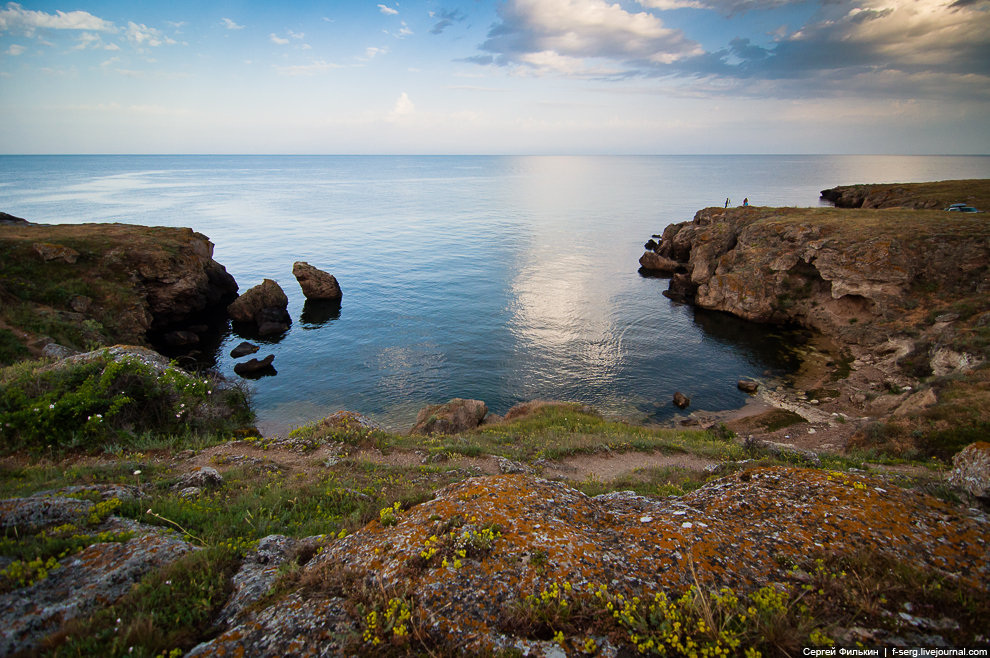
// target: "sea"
[[498, 278]]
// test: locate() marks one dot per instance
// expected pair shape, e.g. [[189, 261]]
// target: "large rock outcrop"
[[849, 277], [138, 281], [741, 531]]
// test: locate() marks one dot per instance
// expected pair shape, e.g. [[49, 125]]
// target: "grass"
[[556, 432]]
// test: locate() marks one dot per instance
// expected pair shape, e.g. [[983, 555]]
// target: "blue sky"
[[507, 76]]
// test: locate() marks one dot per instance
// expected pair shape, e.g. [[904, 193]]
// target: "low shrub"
[[89, 404]]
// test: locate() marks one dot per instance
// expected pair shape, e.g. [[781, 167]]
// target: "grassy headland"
[[354, 540]]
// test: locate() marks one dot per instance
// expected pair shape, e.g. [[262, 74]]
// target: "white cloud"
[[15, 50], [231, 25], [142, 35], [388, 11], [371, 52], [88, 40], [15, 17], [295, 35], [559, 34], [314, 68], [277, 40], [403, 108]]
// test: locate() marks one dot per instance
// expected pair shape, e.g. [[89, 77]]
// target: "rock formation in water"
[[262, 307], [315, 283]]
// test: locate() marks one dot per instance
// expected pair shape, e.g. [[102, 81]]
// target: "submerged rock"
[[315, 283], [243, 349], [681, 401], [255, 367]]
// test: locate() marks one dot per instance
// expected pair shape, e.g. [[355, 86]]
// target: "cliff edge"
[[83, 285]]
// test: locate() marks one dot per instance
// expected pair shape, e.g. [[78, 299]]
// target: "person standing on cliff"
[[745, 202], [726, 202]]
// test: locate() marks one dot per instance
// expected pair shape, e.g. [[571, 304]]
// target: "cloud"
[[15, 50], [403, 108], [388, 11], [727, 7], [231, 25], [142, 35], [315, 68], [447, 17], [852, 38], [566, 32], [371, 52], [88, 40], [14, 17], [277, 40]]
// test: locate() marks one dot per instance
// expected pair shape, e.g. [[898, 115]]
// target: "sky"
[[487, 76]]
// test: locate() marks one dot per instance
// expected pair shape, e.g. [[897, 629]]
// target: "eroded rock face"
[[177, 284], [741, 531], [808, 267], [457, 415], [315, 283]]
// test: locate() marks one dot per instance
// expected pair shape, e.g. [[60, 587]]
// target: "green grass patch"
[[103, 402], [556, 432]]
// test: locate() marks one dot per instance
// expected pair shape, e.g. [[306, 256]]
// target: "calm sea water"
[[498, 278]]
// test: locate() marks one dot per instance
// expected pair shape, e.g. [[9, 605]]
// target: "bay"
[[499, 278]]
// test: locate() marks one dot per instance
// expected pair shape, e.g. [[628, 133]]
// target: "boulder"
[[748, 385], [201, 477], [651, 245], [971, 470], [243, 349], [50, 252], [654, 262], [681, 401], [255, 366], [457, 415], [250, 307], [315, 283]]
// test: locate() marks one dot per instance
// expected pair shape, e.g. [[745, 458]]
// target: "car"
[[961, 207]]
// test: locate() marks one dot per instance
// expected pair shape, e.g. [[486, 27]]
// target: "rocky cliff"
[[860, 276], [80, 284], [936, 195]]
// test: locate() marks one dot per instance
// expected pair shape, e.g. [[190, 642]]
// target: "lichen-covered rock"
[[49, 252], [81, 583], [202, 477], [257, 574], [971, 470], [307, 627], [456, 415], [741, 531], [39, 512], [315, 283]]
